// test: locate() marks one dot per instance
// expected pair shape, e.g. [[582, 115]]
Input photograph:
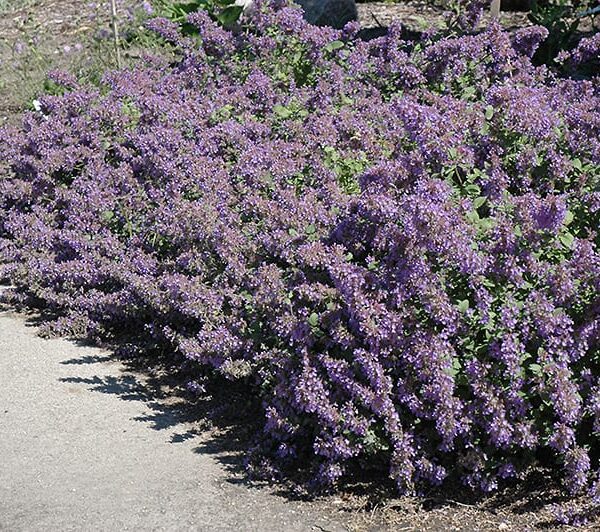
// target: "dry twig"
[[115, 27]]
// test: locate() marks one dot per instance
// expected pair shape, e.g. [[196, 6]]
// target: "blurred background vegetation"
[[39, 35]]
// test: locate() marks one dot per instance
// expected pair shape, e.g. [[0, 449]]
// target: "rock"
[[248, 6], [334, 13]]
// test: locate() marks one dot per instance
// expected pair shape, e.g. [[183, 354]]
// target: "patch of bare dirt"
[[418, 15], [41, 35]]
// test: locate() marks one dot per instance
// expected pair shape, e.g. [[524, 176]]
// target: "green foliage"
[[346, 168], [562, 19], [223, 11], [558, 19]]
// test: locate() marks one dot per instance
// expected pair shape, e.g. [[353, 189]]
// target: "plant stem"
[[115, 27]]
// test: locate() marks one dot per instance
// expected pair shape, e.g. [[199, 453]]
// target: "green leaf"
[[536, 369], [489, 112], [187, 7], [473, 190], [230, 15], [485, 224], [463, 305], [469, 92], [567, 240], [333, 45], [473, 217], [577, 164], [478, 202], [282, 111], [246, 295], [107, 216], [311, 230], [346, 100], [313, 319], [450, 371], [454, 369], [470, 346], [568, 218], [372, 265]]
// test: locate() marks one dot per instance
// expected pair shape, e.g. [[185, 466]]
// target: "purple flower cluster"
[[395, 244], [587, 50]]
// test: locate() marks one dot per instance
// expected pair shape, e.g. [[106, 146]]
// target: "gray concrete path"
[[75, 459]]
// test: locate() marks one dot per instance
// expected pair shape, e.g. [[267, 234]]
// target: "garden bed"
[[390, 247]]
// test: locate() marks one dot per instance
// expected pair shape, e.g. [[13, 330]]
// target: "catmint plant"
[[393, 244]]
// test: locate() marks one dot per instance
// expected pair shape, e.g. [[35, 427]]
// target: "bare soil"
[[39, 35], [418, 15]]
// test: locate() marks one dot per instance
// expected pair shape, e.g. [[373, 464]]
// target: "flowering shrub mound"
[[394, 244]]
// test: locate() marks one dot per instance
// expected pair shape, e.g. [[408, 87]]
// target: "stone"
[[334, 13], [247, 5]]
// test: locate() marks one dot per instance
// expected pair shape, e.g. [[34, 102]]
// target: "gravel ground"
[[83, 448], [418, 15]]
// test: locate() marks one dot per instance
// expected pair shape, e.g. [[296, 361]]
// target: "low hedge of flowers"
[[394, 244]]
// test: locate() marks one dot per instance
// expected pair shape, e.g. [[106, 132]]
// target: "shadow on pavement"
[[221, 419]]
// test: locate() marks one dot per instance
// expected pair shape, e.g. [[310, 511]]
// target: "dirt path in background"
[[419, 15], [40, 35], [84, 447]]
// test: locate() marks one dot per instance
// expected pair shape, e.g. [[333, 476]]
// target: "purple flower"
[[392, 248], [147, 7]]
